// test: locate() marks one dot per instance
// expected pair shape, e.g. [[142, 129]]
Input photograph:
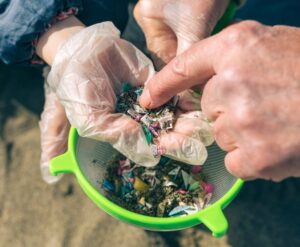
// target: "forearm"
[[22, 23], [50, 42]]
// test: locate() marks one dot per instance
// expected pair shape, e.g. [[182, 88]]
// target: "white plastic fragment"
[[175, 171]]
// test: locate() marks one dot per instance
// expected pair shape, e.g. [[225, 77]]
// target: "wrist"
[[50, 42]]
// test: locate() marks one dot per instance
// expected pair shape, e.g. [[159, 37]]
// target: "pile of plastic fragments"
[[153, 121], [169, 189]]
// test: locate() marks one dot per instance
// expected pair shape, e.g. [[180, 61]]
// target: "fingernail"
[[145, 99]]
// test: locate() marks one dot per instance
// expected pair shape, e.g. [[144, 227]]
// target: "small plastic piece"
[[108, 186], [148, 134], [196, 169], [139, 185], [208, 188]]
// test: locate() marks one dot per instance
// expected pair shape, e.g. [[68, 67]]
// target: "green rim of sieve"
[[212, 216]]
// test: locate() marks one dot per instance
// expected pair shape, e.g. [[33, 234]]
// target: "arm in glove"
[[87, 74], [172, 26]]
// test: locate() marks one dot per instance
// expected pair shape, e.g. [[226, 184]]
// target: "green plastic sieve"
[[82, 154], [80, 160]]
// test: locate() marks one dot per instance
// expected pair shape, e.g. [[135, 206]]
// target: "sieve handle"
[[215, 220], [62, 164]]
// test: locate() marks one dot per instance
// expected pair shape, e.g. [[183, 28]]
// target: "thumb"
[[189, 69], [160, 38], [54, 128], [193, 20]]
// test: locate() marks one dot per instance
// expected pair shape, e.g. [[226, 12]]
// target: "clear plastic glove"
[[54, 127], [172, 26], [87, 74], [191, 134]]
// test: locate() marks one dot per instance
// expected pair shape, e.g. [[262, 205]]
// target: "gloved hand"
[[87, 73], [54, 127], [172, 26]]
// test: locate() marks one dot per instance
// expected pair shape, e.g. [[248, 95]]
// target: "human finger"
[[54, 127], [183, 148], [223, 134], [212, 103], [237, 166], [191, 68]]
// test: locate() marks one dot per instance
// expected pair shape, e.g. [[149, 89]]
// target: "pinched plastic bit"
[[146, 120], [126, 86], [138, 109], [148, 134], [154, 121], [134, 114], [153, 131]]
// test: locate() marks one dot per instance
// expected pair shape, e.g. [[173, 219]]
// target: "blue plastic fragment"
[[108, 185], [129, 186], [179, 210]]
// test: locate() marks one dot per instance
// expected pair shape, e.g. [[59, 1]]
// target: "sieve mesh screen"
[[92, 157]]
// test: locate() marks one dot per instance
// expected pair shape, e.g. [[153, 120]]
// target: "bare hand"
[[251, 74]]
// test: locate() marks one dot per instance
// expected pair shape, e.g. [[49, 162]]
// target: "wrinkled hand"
[[172, 26], [252, 93], [87, 74]]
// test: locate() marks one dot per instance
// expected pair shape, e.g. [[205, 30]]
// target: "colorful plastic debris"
[[169, 189], [196, 169], [108, 186], [139, 185], [179, 210], [209, 188], [153, 121]]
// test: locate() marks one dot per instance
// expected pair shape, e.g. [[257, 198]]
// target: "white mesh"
[[93, 155]]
